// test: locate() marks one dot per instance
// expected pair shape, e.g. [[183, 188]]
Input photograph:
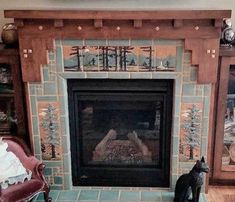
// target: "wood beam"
[[58, 23], [120, 15], [178, 23], [98, 23], [137, 24]]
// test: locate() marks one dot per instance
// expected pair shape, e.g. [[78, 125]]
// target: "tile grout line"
[[78, 195], [99, 193], [119, 195]]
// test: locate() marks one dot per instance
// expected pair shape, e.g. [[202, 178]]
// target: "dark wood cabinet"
[[12, 104], [224, 141]]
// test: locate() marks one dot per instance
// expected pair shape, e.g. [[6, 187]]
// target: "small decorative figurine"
[[9, 34], [228, 34], [191, 183]]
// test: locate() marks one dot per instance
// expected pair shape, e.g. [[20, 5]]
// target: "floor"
[[96, 195], [221, 194]]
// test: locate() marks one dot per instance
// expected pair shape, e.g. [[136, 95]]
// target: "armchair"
[[27, 190]]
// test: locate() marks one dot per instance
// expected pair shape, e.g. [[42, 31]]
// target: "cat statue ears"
[[203, 160]]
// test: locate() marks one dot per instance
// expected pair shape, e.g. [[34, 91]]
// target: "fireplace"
[[120, 131], [159, 61]]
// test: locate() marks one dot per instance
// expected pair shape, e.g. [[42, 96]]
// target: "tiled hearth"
[[112, 195], [50, 97]]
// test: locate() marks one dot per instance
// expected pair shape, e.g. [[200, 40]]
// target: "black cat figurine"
[[191, 183]]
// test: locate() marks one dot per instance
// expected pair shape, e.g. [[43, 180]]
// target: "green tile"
[[56, 187], [32, 89], [47, 98], [51, 55], [193, 74], [59, 59], [88, 195], [130, 196], [97, 75], [68, 195], [58, 180], [179, 58], [191, 99], [96, 42], [175, 146], [67, 181], [167, 196], [45, 74], [188, 89], [141, 42], [72, 42], [118, 42], [48, 171], [141, 75], [109, 195], [118, 75], [35, 126], [150, 196], [37, 145], [50, 89], [33, 105], [73, 75]]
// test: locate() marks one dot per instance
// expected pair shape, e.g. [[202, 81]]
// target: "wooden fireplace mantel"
[[38, 29]]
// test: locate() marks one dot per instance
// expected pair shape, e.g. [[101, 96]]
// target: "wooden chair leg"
[[46, 196]]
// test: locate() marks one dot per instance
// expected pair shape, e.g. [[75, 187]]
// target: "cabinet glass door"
[[228, 157]]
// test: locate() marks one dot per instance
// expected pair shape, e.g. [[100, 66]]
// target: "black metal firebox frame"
[[126, 175]]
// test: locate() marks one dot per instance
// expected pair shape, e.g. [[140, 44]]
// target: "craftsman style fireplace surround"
[[119, 98]]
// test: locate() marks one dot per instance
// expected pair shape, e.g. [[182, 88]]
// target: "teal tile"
[[179, 58], [56, 187], [167, 196], [130, 196], [175, 146], [68, 195], [53, 163], [37, 145], [206, 106], [167, 42], [40, 197], [141, 75], [164, 75], [63, 105], [175, 163], [97, 75], [50, 89], [45, 74], [96, 42], [188, 89], [48, 171], [32, 89], [191, 99], [33, 105], [67, 163], [117, 42], [73, 75], [54, 194], [207, 90], [109, 195], [150, 196], [118, 75], [67, 181], [62, 86], [58, 180], [88, 195], [193, 74], [59, 59], [35, 126], [47, 98], [51, 55], [72, 42], [141, 42]]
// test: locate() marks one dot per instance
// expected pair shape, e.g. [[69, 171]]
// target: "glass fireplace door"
[[119, 137]]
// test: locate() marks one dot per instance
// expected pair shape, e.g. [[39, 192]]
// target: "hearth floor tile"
[[110, 196]]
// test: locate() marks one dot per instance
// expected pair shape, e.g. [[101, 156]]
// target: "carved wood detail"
[[200, 30], [205, 55]]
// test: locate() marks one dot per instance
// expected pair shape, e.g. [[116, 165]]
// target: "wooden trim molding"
[[39, 28]]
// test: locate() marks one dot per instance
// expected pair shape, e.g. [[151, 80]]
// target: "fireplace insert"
[[120, 131]]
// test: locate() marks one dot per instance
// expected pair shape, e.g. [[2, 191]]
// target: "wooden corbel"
[[34, 54], [205, 54]]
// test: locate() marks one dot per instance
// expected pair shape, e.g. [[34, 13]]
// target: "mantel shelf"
[[118, 14]]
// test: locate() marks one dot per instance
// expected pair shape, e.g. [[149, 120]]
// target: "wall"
[[114, 4]]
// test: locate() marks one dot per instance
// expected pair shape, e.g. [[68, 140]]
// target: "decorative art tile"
[[190, 131], [49, 130]]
